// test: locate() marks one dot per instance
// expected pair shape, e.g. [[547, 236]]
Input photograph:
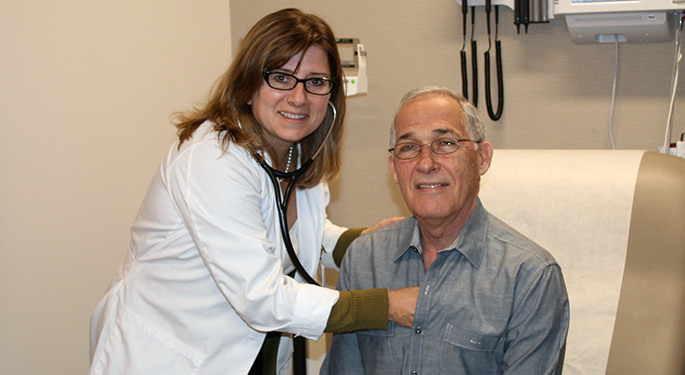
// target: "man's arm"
[[536, 337]]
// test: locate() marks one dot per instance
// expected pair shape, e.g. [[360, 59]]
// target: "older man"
[[491, 301]]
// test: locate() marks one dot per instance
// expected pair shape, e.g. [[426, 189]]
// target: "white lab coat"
[[205, 274]]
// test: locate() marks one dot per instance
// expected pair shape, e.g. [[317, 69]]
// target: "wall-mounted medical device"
[[353, 59], [597, 21], [533, 11], [620, 27], [605, 21], [609, 21], [563, 7]]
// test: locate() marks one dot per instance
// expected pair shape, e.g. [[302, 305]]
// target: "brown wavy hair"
[[269, 45]]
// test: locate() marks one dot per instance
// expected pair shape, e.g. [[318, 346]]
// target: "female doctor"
[[206, 274]]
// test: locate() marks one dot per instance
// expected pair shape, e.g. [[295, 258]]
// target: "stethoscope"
[[282, 200]]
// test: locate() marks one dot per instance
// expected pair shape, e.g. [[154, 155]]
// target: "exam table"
[[615, 222]]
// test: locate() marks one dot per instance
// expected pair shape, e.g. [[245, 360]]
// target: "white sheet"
[[576, 204]]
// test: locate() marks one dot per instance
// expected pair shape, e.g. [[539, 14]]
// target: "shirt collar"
[[470, 242]]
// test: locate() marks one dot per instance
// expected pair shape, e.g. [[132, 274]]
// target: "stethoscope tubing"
[[282, 201], [282, 205]]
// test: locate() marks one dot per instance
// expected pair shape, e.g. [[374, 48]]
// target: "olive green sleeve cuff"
[[358, 310], [344, 242]]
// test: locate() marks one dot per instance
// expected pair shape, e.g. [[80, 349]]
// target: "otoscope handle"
[[517, 15], [525, 14], [464, 75], [474, 68]]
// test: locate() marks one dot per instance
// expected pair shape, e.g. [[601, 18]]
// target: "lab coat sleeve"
[[220, 197]]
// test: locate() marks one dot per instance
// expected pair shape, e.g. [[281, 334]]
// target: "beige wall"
[[86, 88], [557, 94]]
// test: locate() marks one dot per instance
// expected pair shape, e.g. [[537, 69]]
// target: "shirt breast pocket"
[[466, 347], [381, 353]]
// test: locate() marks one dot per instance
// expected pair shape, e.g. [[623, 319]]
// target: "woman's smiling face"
[[288, 116]]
